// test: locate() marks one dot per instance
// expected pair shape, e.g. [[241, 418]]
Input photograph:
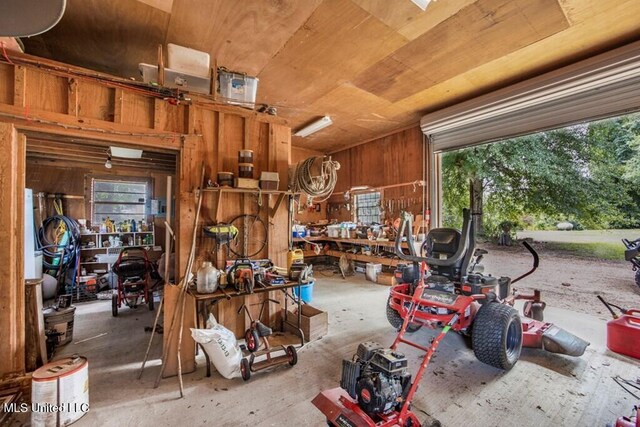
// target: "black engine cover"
[[378, 394]]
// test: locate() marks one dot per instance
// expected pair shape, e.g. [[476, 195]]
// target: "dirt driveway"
[[567, 281]]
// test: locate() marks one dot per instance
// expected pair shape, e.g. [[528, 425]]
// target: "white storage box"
[[174, 79], [237, 89], [372, 271], [107, 258], [333, 231], [188, 61]]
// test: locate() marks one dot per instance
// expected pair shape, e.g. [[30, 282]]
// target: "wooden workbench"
[[389, 262]]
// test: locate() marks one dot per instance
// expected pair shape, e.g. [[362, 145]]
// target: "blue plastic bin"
[[306, 291]]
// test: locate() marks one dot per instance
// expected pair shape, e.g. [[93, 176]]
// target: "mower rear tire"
[[252, 339], [496, 335], [114, 305], [245, 369], [396, 320], [292, 354]]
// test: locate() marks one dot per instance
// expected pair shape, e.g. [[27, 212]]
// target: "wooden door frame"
[[13, 137]]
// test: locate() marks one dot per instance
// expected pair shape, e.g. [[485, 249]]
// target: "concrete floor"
[[542, 389]]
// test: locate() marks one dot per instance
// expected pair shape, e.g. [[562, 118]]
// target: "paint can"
[[63, 384], [225, 179], [245, 170], [62, 321], [245, 156]]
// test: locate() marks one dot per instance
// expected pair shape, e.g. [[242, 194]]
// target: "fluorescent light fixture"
[[126, 153], [314, 127], [422, 4]]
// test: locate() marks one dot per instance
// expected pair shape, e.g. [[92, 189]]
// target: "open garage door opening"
[[572, 191]]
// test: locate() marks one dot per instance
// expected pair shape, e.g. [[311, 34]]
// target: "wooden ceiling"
[[374, 66], [42, 150]]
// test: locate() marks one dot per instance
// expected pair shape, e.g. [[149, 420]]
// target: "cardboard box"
[[247, 183], [386, 279], [314, 323]]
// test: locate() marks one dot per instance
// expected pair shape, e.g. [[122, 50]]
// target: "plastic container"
[[306, 291], [333, 231], [207, 278], [225, 179], [65, 384], [175, 79], [245, 156], [295, 255], [623, 334], [372, 271], [245, 170], [189, 61], [238, 89], [61, 321]]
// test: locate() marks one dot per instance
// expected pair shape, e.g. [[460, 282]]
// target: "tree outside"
[[587, 174]]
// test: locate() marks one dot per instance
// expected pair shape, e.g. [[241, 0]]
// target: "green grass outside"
[[600, 250]]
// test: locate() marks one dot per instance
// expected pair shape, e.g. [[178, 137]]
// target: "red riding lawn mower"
[[444, 289]]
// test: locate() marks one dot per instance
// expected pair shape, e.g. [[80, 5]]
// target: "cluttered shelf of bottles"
[[100, 247]]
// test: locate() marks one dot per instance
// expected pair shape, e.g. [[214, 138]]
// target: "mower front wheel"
[[292, 354], [252, 339], [496, 335], [396, 320], [245, 369]]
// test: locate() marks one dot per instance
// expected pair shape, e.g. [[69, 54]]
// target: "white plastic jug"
[[207, 278]]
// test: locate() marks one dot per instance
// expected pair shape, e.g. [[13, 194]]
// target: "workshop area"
[[234, 213]]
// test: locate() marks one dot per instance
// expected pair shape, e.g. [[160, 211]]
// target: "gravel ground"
[[566, 281]]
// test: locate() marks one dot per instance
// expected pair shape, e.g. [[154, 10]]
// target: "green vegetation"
[[609, 251], [587, 174]]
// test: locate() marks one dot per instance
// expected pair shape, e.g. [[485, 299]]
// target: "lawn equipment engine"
[[240, 276], [377, 378]]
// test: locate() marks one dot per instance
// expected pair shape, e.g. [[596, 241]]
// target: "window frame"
[[89, 191], [356, 206]]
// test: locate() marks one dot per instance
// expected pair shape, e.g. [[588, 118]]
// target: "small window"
[[368, 208], [118, 200]]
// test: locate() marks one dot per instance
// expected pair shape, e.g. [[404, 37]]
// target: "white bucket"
[[60, 392]]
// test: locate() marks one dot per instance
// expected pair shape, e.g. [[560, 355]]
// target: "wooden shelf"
[[390, 262], [219, 191], [248, 190], [361, 242]]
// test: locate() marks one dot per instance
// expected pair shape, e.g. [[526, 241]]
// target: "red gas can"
[[623, 334]]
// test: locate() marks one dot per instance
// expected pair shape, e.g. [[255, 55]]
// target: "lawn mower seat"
[[443, 243]]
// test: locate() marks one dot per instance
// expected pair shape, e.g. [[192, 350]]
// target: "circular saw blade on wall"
[[24, 18]]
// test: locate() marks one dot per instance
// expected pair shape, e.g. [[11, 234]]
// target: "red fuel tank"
[[623, 334]]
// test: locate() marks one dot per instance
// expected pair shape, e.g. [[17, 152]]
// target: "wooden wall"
[[393, 159], [76, 181], [41, 97], [305, 216]]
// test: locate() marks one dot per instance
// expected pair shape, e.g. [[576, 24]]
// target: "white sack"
[[221, 346]]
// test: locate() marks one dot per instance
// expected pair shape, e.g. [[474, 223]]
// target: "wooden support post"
[[12, 305], [72, 98], [118, 105], [19, 86], [160, 66]]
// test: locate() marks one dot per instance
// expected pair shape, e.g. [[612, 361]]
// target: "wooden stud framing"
[[12, 293]]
